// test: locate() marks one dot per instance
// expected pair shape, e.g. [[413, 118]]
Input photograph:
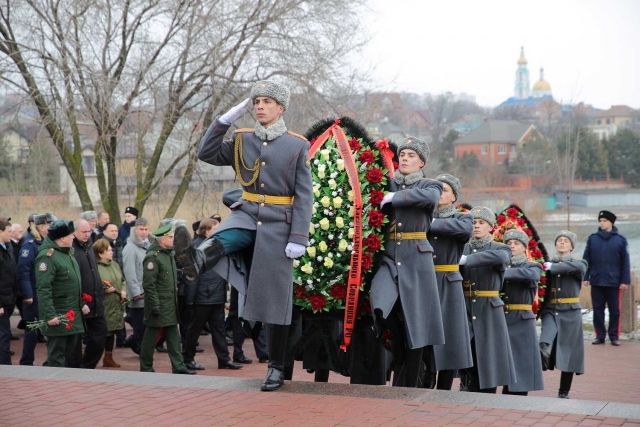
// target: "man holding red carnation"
[[59, 291], [404, 294]]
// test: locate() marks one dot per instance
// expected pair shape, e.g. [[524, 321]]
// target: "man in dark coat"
[[272, 217], [130, 216], [160, 281], [27, 282], [485, 262], [59, 292], [449, 232], [520, 289], [8, 290], [110, 233], [404, 293], [207, 296], [609, 273], [561, 339], [96, 324]]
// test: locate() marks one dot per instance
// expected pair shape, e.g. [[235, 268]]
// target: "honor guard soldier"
[[561, 339], [404, 294], [59, 291], [160, 283], [272, 217], [485, 262], [449, 232], [520, 289], [27, 281]]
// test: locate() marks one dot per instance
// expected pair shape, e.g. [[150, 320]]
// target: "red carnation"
[[501, 219], [512, 213], [69, 326], [70, 315], [372, 242], [375, 218], [528, 232], [354, 144], [374, 175], [367, 157], [532, 244], [338, 291], [543, 280], [541, 292], [87, 298], [520, 222], [376, 196], [366, 261], [300, 292], [318, 302], [536, 253]]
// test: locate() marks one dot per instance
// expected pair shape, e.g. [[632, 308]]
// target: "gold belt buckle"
[[398, 236], [506, 307], [261, 198], [475, 293], [559, 300]]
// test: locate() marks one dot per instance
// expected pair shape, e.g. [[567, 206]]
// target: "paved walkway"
[[610, 388]]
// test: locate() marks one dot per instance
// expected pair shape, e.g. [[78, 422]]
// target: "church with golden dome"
[[541, 88]]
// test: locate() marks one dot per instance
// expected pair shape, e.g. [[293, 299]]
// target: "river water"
[[629, 229]]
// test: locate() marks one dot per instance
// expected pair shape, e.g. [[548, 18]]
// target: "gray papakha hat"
[[88, 215], [45, 218], [453, 182], [272, 90], [481, 212], [416, 144], [515, 234], [569, 235]]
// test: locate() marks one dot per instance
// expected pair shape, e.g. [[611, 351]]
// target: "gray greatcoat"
[[284, 171], [520, 287], [484, 271], [132, 256], [448, 237], [562, 323], [407, 265]]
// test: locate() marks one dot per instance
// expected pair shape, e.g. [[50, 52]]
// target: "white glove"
[[234, 113], [463, 260], [386, 199], [547, 265], [294, 250]]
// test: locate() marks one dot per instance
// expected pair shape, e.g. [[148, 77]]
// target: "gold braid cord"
[[239, 158]]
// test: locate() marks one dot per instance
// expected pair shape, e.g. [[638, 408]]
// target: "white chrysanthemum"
[[333, 175], [330, 255], [319, 258], [316, 162], [330, 236], [334, 193], [316, 225]]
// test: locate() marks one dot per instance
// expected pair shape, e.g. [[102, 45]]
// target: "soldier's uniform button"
[[259, 222], [475, 250], [264, 143], [558, 275], [435, 238], [262, 205], [556, 313], [399, 224], [506, 297], [559, 289], [404, 186], [474, 317], [262, 185], [399, 243], [264, 163], [434, 255], [473, 284], [399, 263], [473, 300]]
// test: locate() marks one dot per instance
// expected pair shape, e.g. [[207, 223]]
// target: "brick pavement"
[[612, 375]]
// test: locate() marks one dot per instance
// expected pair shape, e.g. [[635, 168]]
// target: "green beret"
[[165, 230]]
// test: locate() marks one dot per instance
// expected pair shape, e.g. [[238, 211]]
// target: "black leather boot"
[[429, 379], [563, 394], [545, 354], [277, 352]]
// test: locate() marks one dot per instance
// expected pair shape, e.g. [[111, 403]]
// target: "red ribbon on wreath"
[[353, 284]]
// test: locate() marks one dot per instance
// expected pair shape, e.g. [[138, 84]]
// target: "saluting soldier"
[[160, 283], [520, 289], [450, 231], [272, 217], [404, 294], [27, 281], [561, 339], [485, 262], [59, 291]]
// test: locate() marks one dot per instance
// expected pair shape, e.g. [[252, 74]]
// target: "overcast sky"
[[590, 49]]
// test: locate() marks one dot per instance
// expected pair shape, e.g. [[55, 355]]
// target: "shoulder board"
[[244, 130], [50, 252], [297, 135]]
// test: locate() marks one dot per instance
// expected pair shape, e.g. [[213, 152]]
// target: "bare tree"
[[89, 65]]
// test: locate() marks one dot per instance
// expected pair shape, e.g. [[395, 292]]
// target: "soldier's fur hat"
[[416, 144], [60, 228], [481, 212], [45, 218], [453, 182], [89, 215], [515, 234], [272, 90], [569, 235]]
